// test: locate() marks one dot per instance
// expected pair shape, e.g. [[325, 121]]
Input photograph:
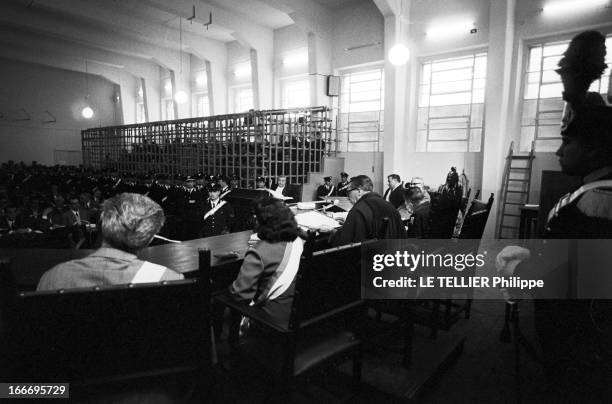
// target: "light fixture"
[[571, 6], [168, 86], [399, 54], [140, 92], [87, 112], [180, 97], [449, 28]]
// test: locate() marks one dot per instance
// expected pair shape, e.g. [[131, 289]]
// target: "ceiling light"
[[87, 112], [168, 86], [399, 54], [449, 28], [180, 97], [570, 6]]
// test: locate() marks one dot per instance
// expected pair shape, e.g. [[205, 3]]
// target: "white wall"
[[38, 88]]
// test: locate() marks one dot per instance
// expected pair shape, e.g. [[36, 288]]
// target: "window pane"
[[361, 106], [451, 104]]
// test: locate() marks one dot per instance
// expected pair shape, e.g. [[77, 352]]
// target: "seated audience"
[[418, 224], [365, 219], [327, 189], [267, 275], [129, 222]]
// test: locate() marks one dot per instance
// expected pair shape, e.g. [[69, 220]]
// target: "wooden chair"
[[443, 313], [106, 338], [327, 299]]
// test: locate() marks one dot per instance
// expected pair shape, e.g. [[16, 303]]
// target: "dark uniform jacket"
[[365, 219], [341, 188], [219, 222], [575, 349], [324, 191]]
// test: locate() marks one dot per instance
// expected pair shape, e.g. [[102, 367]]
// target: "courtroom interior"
[[189, 191]]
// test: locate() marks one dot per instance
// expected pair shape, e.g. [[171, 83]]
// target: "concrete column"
[[500, 63]]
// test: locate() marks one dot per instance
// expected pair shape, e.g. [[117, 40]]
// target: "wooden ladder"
[[516, 182]]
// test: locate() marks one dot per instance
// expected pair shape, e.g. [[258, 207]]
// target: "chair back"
[[104, 334], [443, 217], [476, 219], [327, 281]]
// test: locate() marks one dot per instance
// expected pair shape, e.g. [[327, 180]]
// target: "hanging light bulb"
[[87, 112], [399, 54]]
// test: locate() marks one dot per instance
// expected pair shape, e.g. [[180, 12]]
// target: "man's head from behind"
[[129, 221], [587, 141], [359, 186], [414, 195]]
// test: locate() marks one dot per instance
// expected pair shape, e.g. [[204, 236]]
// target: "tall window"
[[295, 92], [242, 99], [202, 105], [451, 104], [167, 103], [140, 107], [140, 112], [361, 109], [542, 102]]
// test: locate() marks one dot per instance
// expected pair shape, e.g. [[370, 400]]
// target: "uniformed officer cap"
[[260, 179], [326, 178], [344, 175], [214, 188]]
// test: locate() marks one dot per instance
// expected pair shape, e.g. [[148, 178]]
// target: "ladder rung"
[[509, 227], [521, 157], [513, 203], [517, 180], [519, 168], [511, 214]]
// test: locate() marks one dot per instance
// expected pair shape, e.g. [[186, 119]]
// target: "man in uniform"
[[191, 209], [327, 189], [576, 349], [218, 214], [343, 184]]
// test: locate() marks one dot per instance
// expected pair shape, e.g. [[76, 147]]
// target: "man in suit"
[[365, 219], [327, 189], [76, 214], [218, 215], [395, 192], [343, 184]]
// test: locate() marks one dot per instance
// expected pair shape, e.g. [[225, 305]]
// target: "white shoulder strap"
[[288, 268], [149, 273], [571, 197], [213, 210]]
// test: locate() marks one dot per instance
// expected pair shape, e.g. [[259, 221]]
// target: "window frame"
[[527, 45], [283, 81], [377, 144], [421, 61]]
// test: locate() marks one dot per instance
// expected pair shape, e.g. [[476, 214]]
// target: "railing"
[[289, 142]]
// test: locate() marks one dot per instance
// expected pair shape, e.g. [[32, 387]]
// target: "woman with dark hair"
[[268, 272]]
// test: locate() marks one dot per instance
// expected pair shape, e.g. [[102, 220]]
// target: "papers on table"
[[316, 221], [279, 195]]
